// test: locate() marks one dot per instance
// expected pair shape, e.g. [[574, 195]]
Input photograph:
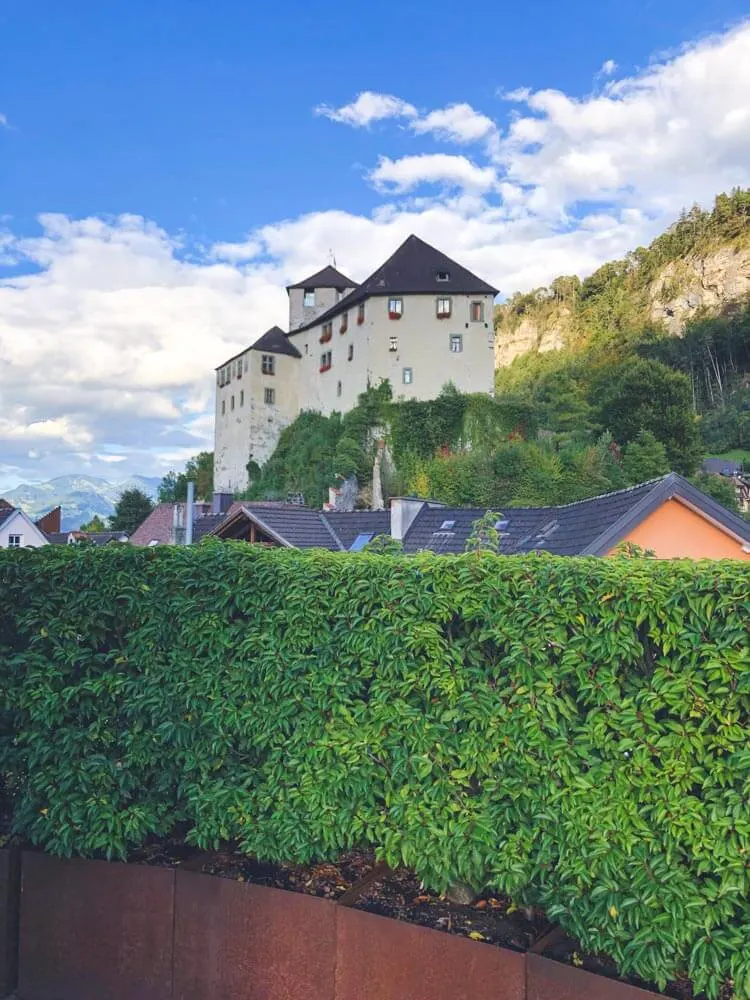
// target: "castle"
[[420, 320]]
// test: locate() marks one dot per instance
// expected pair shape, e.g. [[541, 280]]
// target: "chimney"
[[221, 502], [189, 512], [403, 512], [50, 522]]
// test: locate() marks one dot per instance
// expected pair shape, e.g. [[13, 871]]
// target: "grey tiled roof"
[[588, 527], [5, 513], [411, 270], [347, 526], [275, 341], [328, 277]]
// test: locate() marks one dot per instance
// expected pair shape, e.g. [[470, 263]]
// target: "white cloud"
[[431, 168], [608, 67], [367, 108], [3, 120], [456, 122], [109, 340]]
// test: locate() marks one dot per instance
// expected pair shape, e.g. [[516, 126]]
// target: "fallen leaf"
[[512, 908], [613, 911], [481, 904], [418, 900], [476, 936]]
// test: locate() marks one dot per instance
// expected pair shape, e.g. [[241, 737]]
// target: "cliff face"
[[685, 287], [679, 291]]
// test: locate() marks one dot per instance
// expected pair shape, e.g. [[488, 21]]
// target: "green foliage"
[[718, 487], [572, 732], [385, 545], [95, 524], [645, 458], [131, 509], [485, 536], [199, 468]]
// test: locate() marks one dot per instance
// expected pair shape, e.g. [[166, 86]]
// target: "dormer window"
[[443, 276], [444, 307], [308, 297], [395, 308]]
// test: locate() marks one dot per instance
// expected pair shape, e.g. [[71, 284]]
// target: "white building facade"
[[420, 321]]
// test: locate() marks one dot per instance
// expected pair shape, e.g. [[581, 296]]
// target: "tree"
[[646, 395], [199, 469], [719, 488], [644, 458], [95, 524], [131, 509]]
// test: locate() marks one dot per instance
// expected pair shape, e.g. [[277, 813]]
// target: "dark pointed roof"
[[329, 277], [586, 527], [412, 270], [275, 341]]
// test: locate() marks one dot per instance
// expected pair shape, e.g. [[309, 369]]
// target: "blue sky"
[[164, 171]]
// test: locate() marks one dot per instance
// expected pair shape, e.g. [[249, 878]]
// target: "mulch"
[[355, 880]]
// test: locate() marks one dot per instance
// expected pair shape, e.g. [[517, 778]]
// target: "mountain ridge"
[[81, 497]]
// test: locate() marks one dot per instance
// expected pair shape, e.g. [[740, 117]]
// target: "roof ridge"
[[322, 515]]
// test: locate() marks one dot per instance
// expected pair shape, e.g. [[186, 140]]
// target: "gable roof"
[[275, 341], [587, 527], [411, 270], [328, 277], [5, 511], [288, 524]]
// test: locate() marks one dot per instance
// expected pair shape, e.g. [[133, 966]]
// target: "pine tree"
[[131, 509], [644, 458]]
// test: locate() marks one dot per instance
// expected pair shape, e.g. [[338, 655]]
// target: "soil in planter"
[[399, 894]]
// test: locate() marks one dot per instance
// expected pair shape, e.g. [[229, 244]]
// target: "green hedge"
[[571, 732]]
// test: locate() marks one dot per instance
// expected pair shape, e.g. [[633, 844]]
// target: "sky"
[[167, 167]]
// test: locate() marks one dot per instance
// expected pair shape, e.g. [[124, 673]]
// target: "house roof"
[[411, 270], [275, 341], [6, 512], [348, 525], [588, 527], [328, 277], [288, 524], [157, 527]]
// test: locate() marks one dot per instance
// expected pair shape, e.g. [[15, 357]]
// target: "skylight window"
[[443, 276], [361, 540], [447, 525], [501, 525]]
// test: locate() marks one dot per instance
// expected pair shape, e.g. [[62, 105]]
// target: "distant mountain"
[[79, 496]]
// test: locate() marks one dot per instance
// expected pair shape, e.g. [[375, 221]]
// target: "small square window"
[[15, 541], [223, 407], [350, 355], [444, 307], [338, 388], [326, 359], [395, 308], [476, 312], [268, 364], [457, 343], [393, 343], [269, 396], [443, 276], [231, 407], [308, 298], [242, 397], [407, 376]]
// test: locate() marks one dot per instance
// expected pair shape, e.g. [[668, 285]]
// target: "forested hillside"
[[622, 400]]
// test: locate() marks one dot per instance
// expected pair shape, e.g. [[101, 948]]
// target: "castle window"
[[308, 299], [393, 343], [242, 397], [457, 343], [395, 308], [350, 355], [246, 362], [268, 364], [443, 276], [476, 312], [231, 407], [223, 407], [443, 307], [269, 396], [407, 376], [326, 360], [361, 313], [338, 388], [344, 323], [326, 332]]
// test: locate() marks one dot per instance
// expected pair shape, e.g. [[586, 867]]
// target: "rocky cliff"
[[697, 267]]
